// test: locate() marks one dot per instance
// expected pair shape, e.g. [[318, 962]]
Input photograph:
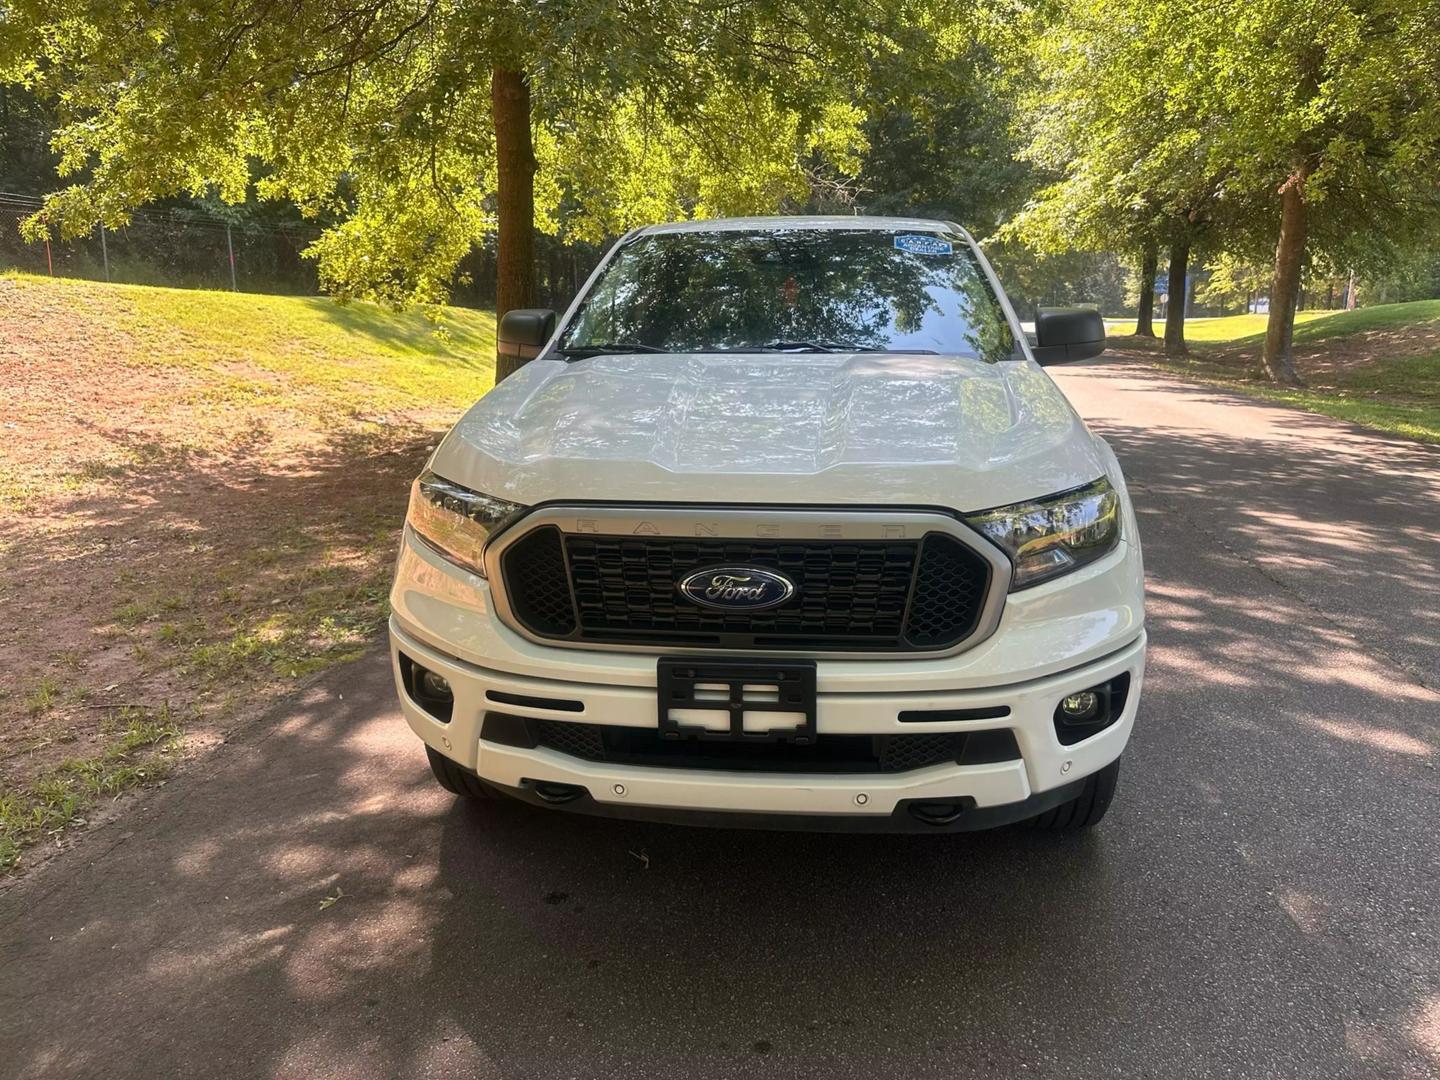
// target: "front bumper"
[[991, 793], [907, 817], [1053, 640]]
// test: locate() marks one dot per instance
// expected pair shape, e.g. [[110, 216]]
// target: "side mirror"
[[523, 332], [1066, 334]]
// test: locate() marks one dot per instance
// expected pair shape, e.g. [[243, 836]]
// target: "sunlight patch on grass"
[[1309, 325], [1227, 328], [276, 347], [287, 358]]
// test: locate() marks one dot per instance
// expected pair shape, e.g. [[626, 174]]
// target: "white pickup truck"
[[781, 525]]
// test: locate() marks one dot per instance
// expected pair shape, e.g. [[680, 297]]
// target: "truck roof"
[[836, 221]]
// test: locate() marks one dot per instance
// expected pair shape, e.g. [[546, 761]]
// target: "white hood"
[[816, 428]]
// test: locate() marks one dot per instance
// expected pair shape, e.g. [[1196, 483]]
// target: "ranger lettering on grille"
[[834, 530]]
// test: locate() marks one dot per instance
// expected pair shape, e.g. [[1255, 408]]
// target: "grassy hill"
[[1377, 366], [200, 495]]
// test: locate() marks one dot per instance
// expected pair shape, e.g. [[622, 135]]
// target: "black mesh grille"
[[828, 754], [537, 585], [949, 593], [900, 753], [577, 740], [849, 595], [625, 587]]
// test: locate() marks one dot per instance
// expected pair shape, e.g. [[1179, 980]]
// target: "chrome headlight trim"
[[456, 521], [1056, 535]]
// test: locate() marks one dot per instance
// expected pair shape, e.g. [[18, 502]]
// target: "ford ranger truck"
[[781, 524]]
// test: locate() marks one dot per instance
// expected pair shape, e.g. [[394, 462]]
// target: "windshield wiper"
[[803, 346], [580, 352], [824, 346]]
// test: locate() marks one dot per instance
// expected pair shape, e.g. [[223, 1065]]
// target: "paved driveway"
[[1264, 900]]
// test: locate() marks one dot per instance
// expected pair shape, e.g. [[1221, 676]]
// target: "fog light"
[[437, 686], [1088, 712]]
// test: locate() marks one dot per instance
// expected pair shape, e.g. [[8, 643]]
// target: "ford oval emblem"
[[736, 588]]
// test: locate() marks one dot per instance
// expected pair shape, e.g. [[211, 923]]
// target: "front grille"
[[875, 595], [828, 754], [538, 585]]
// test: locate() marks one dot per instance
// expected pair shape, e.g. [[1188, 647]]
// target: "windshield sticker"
[[924, 245]]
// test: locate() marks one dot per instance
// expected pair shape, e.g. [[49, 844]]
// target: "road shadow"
[[1262, 901], [1345, 519]]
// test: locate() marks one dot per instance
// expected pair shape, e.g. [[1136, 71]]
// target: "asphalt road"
[[1263, 901]]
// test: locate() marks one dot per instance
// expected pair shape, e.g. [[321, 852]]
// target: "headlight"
[[1052, 536], [456, 521]]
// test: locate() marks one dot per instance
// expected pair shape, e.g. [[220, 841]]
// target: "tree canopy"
[[1308, 129], [391, 115], [1302, 134]]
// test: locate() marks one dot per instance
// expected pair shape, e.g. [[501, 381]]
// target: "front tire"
[[456, 780], [1086, 809]]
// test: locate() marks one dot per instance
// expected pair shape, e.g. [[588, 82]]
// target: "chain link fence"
[[166, 247], [186, 248]]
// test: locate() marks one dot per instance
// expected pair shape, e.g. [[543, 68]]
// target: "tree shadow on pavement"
[[1262, 901]]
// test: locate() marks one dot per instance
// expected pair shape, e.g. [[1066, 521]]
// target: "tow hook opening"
[[551, 792], [939, 812]]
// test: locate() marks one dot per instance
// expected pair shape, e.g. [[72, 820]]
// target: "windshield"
[[780, 290]]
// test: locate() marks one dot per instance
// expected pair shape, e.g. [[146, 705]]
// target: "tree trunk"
[[1175, 309], [515, 166], [1279, 357], [1149, 262]]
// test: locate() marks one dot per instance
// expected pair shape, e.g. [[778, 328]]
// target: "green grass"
[[360, 355], [1310, 326], [43, 696], [1398, 403], [324, 616], [289, 351], [1399, 392], [58, 798], [1228, 328]]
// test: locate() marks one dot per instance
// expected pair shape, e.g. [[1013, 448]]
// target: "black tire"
[[1086, 809], [456, 780]]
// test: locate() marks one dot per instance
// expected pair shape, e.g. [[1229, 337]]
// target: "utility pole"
[[230, 247], [104, 252]]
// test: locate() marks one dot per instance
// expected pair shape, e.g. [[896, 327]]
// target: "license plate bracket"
[[717, 695]]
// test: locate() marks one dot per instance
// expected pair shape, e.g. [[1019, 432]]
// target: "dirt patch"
[[68, 387], [176, 549]]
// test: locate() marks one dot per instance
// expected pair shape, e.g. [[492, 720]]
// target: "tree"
[[1145, 315], [1327, 113], [423, 125], [945, 146], [1232, 281], [1130, 164]]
